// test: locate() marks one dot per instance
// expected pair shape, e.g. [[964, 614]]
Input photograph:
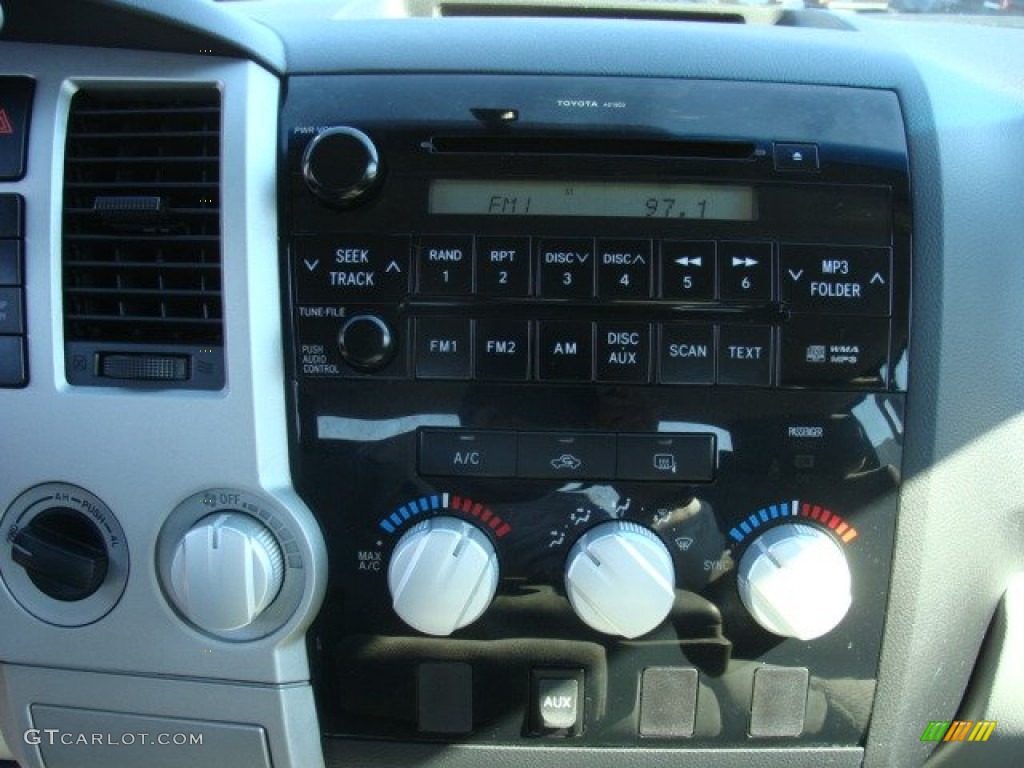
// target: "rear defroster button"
[[366, 342]]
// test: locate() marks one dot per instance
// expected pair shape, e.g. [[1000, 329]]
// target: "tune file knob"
[[225, 571], [795, 581], [443, 574], [620, 579], [341, 166]]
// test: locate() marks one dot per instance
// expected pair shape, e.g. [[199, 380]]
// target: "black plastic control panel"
[[640, 386]]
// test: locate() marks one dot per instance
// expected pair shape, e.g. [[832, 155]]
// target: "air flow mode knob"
[[226, 570], [795, 581], [443, 575], [620, 579], [341, 166]]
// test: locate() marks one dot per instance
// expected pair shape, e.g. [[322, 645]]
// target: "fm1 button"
[[443, 348], [745, 355], [472, 453], [557, 703]]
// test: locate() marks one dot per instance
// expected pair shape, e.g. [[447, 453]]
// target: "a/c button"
[[476, 453]]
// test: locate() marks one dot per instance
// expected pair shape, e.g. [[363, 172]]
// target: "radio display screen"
[[611, 199]]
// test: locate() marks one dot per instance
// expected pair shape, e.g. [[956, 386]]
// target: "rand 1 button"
[[745, 271], [682, 458], [623, 352], [443, 348], [332, 269], [502, 350], [474, 453], [686, 354], [745, 355], [688, 270], [623, 269], [566, 456], [843, 280], [445, 264], [503, 266], [565, 351], [566, 267], [846, 353]]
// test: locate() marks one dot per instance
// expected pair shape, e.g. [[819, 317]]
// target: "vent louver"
[[141, 241]]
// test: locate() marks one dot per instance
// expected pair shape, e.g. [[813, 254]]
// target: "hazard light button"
[[15, 101]]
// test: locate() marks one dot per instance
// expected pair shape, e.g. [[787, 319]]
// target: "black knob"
[[340, 166], [366, 342], [63, 553]]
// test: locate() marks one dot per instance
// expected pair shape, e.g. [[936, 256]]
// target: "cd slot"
[[592, 145]]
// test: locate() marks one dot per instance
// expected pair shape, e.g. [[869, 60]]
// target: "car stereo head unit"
[[598, 394]]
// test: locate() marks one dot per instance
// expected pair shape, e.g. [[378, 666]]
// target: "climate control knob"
[[340, 166], [620, 579], [443, 574], [795, 581], [225, 571]]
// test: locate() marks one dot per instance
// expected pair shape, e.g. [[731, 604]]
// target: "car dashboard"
[[444, 384]]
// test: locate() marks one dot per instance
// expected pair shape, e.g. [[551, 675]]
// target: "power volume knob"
[[620, 579], [443, 575], [225, 571], [341, 166], [795, 581]]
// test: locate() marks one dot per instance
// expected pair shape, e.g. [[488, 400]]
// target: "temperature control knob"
[[442, 575], [225, 571], [795, 581], [620, 579], [340, 166]]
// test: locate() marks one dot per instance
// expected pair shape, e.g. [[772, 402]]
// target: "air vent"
[[142, 251]]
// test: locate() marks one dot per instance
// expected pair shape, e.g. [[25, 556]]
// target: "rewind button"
[[688, 270]]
